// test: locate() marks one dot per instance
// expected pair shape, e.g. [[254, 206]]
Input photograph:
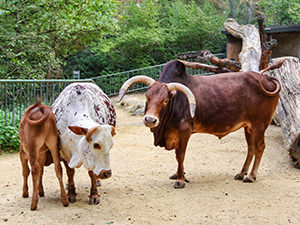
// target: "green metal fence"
[[17, 95]]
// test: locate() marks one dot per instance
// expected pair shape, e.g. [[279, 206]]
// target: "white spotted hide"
[[85, 105]]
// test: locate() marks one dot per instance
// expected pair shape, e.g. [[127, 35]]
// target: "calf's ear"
[[78, 130], [113, 131]]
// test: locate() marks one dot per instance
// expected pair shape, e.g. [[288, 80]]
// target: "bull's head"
[[157, 97], [94, 147]]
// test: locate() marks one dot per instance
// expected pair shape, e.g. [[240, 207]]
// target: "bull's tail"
[[37, 106], [274, 80]]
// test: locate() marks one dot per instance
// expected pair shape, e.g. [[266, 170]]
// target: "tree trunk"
[[250, 55], [288, 110]]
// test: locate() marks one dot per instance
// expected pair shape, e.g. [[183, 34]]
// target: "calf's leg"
[[35, 173], [94, 196], [25, 172], [53, 146]]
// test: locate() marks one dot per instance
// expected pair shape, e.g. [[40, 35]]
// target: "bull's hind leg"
[[94, 196], [256, 146], [251, 148], [25, 172], [259, 150]]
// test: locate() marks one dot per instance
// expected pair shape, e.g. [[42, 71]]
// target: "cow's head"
[[158, 97], [94, 149]]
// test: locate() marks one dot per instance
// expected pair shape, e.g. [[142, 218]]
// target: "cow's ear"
[[173, 93], [113, 131], [78, 130]]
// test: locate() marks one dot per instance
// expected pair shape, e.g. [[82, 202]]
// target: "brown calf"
[[39, 145]]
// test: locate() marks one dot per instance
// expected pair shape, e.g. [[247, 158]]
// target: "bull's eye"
[[97, 146], [165, 102]]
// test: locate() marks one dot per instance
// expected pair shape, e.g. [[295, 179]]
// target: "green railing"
[[17, 95]]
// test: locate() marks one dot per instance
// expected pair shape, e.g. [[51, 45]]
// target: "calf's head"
[[157, 97], [93, 149]]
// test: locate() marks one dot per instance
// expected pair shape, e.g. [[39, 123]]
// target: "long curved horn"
[[133, 80], [187, 92]]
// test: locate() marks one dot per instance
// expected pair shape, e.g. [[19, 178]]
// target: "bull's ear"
[[113, 131], [78, 130], [173, 93]]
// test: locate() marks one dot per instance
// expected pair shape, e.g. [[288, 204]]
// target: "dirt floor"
[[139, 192]]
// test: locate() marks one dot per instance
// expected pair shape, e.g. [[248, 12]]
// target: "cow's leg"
[[53, 146], [25, 172], [251, 148], [94, 196], [259, 150], [71, 186]]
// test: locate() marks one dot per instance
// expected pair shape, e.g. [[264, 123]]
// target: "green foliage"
[[9, 137], [36, 35], [153, 32], [281, 12]]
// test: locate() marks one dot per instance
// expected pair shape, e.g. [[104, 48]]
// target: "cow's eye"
[[97, 146]]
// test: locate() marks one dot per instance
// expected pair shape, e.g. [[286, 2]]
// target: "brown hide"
[[39, 146], [225, 102]]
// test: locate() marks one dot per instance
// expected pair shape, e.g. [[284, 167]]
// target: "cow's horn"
[[133, 80], [187, 92]]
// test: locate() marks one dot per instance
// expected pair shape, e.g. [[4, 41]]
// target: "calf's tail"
[[37, 106]]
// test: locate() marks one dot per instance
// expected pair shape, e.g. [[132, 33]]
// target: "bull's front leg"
[[180, 154], [94, 196]]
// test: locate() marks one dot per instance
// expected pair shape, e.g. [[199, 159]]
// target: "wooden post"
[[288, 110], [250, 55]]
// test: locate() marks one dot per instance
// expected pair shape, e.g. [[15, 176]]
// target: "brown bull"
[[178, 105]]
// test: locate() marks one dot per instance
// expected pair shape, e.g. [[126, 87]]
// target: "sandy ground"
[[139, 192]]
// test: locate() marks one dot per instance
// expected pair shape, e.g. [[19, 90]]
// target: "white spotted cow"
[[85, 121]]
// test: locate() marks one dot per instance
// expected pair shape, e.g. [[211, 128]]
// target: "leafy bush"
[[152, 32], [9, 138]]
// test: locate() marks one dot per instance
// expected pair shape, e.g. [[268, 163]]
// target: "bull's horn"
[[133, 80], [187, 92]]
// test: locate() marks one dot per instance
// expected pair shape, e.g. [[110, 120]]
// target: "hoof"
[[33, 207], [41, 194], [98, 183], [173, 177], [94, 200], [238, 177], [249, 180], [25, 195], [65, 203], [179, 184], [72, 198]]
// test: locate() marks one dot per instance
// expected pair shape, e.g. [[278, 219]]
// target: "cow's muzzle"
[[104, 174], [151, 121]]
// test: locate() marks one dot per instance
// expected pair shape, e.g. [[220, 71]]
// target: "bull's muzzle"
[[151, 121], [104, 174]]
